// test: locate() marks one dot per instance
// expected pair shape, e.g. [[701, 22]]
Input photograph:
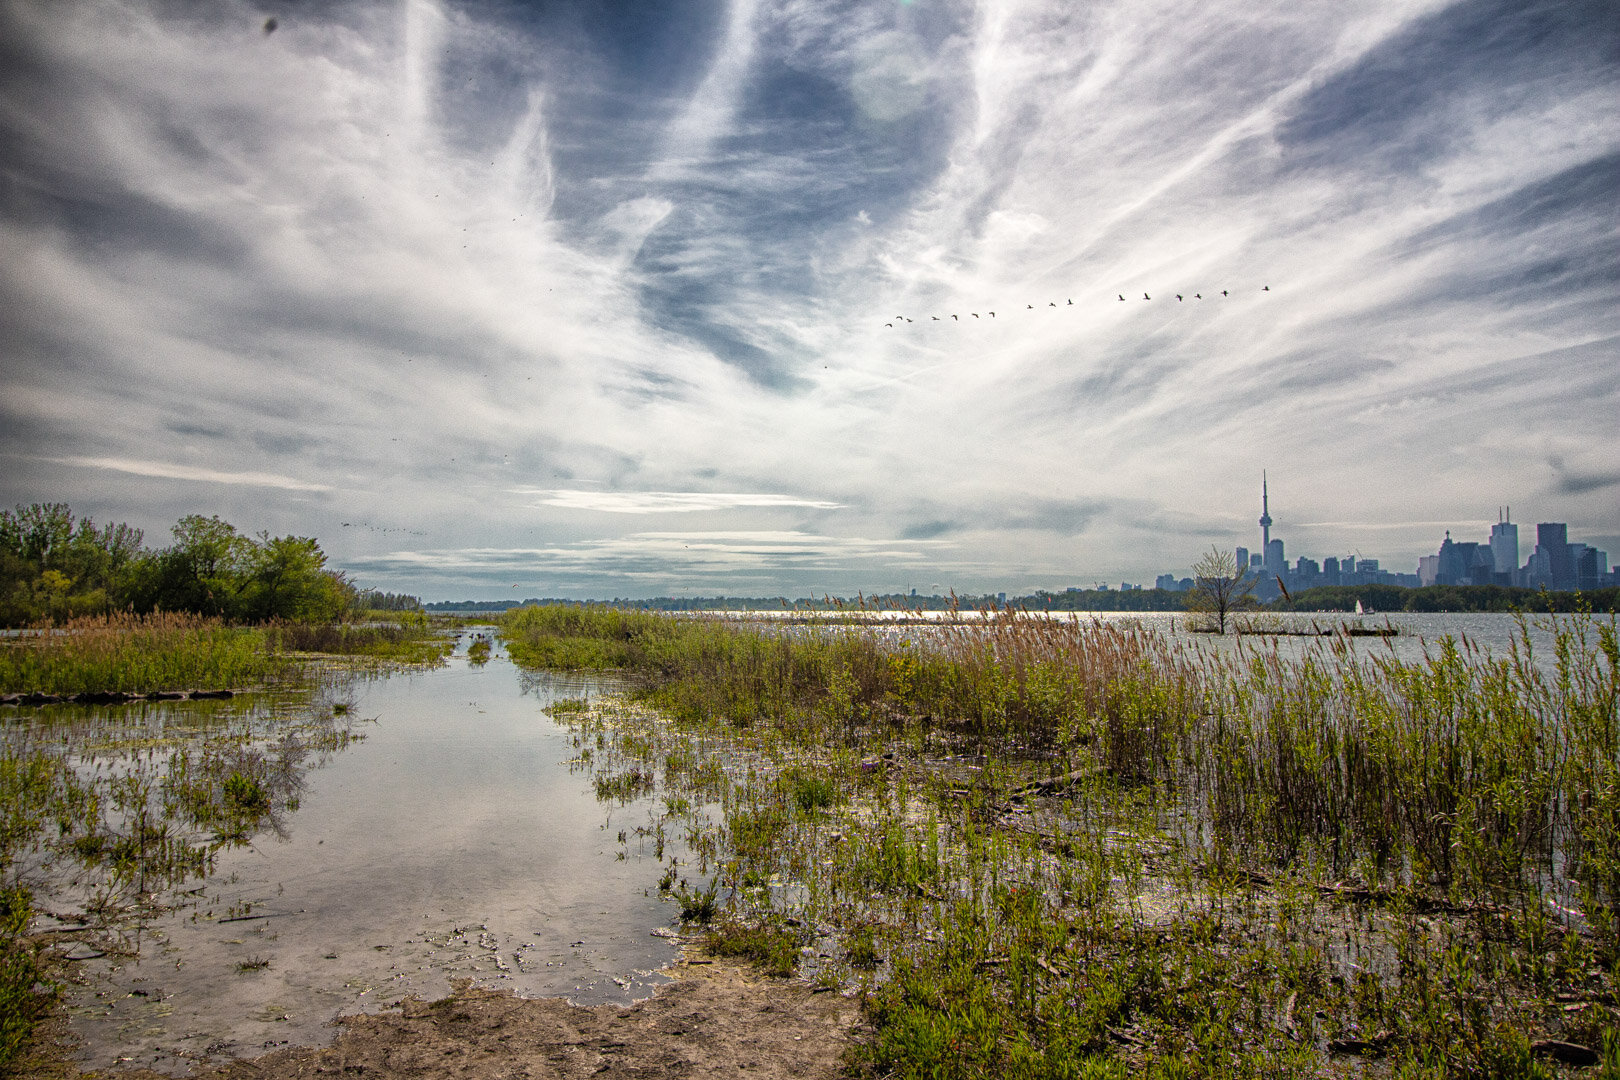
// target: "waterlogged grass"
[[119, 810], [770, 944], [136, 654], [584, 638], [144, 808], [138, 812], [34, 787], [129, 802], [1049, 849], [27, 993], [623, 787], [406, 638]]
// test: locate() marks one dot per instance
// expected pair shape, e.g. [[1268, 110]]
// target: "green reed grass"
[[138, 654], [27, 992], [403, 637], [139, 811], [1057, 849], [132, 802]]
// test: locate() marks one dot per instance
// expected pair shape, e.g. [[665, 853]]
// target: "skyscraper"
[[1504, 544], [1552, 538]]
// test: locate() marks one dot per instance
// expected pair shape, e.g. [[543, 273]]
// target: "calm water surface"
[[1417, 634], [456, 841]]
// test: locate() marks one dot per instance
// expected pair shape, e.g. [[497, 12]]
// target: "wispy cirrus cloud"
[[664, 502], [706, 559], [169, 471], [1389, 526], [518, 276]]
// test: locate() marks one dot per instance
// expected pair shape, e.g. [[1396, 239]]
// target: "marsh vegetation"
[[116, 805], [1034, 847], [1048, 848]]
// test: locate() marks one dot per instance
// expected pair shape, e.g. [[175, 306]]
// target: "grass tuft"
[[774, 948]]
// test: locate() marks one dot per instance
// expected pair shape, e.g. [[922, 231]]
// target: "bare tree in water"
[[1220, 587]]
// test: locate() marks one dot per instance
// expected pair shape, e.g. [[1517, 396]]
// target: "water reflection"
[[453, 842]]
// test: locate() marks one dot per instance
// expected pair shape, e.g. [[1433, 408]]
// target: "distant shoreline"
[[1326, 600]]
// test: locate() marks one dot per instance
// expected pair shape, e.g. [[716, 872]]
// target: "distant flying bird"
[[1265, 288], [992, 314], [908, 320], [888, 324], [270, 25], [1145, 296], [975, 314], [934, 317], [1122, 297], [1223, 292], [1198, 296], [1029, 307], [955, 319], [1071, 303], [1051, 305], [1178, 296]]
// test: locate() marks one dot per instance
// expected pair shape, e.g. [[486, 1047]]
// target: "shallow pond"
[[458, 839]]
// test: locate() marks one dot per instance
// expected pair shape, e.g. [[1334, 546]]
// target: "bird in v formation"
[[1031, 307]]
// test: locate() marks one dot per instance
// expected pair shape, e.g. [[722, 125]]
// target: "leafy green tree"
[[287, 579], [1220, 587], [202, 572], [52, 567], [377, 600], [37, 533], [96, 558]]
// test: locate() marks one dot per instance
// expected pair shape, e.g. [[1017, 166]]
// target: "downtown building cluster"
[[1556, 563]]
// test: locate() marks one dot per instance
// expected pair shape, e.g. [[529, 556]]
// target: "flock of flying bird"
[[899, 320]]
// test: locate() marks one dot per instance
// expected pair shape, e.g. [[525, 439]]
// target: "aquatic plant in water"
[[1056, 848]]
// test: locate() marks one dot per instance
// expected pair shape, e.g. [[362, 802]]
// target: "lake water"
[[455, 841], [1416, 634]]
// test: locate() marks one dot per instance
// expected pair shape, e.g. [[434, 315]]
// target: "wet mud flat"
[[452, 838], [714, 1019]]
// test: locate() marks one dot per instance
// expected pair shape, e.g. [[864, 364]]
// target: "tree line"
[[54, 567]]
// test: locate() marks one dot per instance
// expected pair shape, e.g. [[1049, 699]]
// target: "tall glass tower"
[[1504, 544]]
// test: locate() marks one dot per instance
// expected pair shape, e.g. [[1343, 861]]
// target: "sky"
[[631, 298]]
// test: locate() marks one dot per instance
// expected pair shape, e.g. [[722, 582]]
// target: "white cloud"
[[516, 288], [659, 502], [167, 471]]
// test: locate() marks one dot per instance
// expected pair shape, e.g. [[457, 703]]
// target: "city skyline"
[[1498, 560], [758, 297]]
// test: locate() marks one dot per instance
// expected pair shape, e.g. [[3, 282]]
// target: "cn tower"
[[1265, 519]]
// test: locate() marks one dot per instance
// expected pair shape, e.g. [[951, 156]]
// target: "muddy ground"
[[717, 1019]]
